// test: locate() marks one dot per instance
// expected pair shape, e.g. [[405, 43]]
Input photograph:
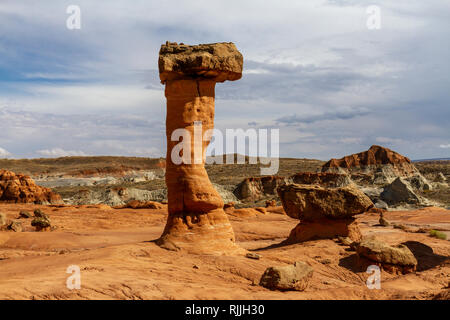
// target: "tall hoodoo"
[[196, 220]]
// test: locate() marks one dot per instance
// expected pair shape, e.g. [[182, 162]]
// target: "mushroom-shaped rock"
[[196, 220], [310, 202], [324, 213]]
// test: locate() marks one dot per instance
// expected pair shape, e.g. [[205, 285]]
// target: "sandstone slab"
[[310, 202], [214, 61]]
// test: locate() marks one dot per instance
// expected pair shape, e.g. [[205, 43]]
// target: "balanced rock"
[[291, 277], [392, 258], [324, 213], [19, 188], [196, 220], [310, 202]]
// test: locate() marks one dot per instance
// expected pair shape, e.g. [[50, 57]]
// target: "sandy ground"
[[118, 258]]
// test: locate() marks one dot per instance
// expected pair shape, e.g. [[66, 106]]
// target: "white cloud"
[[86, 98], [4, 153], [58, 152], [445, 146]]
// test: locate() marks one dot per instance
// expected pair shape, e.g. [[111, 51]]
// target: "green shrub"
[[438, 234]]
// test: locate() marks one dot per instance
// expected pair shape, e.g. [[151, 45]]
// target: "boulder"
[[380, 204], [399, 191], [391, 258], [25, 214], [310, 203], [19, 188], [38, 213], [15, 226], [215, 61], [291, 277], [41, 224]]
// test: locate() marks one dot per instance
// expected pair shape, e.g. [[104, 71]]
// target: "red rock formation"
[[196, 220], [19, 188], [324, 213], [324, 229], [376, 156]]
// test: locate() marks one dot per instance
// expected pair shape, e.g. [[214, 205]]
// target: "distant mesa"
[[369, 161], [19, 188]]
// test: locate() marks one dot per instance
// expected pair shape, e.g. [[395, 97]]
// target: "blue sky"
[[311, 68]]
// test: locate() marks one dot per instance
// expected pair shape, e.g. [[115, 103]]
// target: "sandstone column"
[[196, 220]]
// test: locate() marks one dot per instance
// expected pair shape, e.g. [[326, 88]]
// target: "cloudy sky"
[[312, 68]]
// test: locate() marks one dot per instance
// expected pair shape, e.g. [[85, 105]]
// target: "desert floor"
[[118, 258]]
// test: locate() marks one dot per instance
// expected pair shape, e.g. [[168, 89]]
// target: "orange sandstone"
[[196, 220]]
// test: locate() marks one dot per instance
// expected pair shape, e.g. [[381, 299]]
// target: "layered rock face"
[[323, 212], [196, 220], [382, 164], [19, 188]]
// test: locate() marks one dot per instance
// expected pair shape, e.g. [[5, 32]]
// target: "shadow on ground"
[[426, 258]]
